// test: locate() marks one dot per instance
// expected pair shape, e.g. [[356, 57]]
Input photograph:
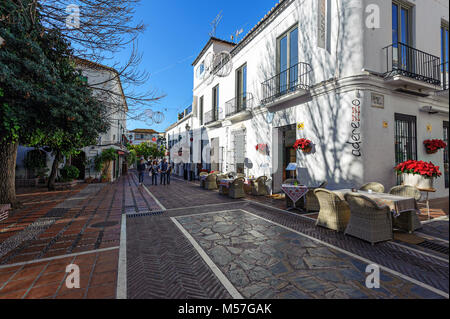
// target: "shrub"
[[69, 173]]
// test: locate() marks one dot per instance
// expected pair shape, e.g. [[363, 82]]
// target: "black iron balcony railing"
[[444, 75], [238, 104], [211, 116], [295, 78], [401, 59]]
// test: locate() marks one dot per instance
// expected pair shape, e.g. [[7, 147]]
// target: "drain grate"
[[143, 214], [435, 247], [104, 224]]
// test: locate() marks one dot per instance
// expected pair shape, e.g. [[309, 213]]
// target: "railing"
[[239, 104], [401, 59], [293, 79], [444, 75], [211, 116]]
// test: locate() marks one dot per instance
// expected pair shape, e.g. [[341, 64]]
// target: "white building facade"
[[365, 80]]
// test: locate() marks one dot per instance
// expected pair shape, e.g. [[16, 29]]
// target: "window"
[[142, 136], [241, 87], [444, 54], [215, 102], [287, 62], [446, 164], [405, 138], [201, 110], [401, 32]]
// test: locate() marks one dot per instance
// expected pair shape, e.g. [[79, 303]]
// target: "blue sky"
[[176, 32]]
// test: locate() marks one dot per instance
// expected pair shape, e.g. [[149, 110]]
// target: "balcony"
[[287, 85], [212, 118], [239, 108], [410, 68]]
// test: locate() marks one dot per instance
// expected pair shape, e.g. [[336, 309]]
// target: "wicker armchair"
[[312, 203], [334, 213], [407, 220], [368, 221], [259, 187], [237, 188], [220, 177], [211, 182], [375, 187], [202, 182]]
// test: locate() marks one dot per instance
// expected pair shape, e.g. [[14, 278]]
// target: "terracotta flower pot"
[[307, 150]]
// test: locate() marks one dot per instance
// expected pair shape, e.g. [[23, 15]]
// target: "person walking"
[[169, 172], [163, 169], [141, 171], [154, 168]]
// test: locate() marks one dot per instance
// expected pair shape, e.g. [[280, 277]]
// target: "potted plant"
[[418, 173], [304, 144], [433, 146]]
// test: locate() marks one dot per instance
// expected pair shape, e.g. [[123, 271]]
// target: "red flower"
[[418, 167], [302, 144], [434, 145]]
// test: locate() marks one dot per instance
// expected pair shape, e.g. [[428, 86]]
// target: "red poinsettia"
[[418, 167], [434, 145], [303, 144]]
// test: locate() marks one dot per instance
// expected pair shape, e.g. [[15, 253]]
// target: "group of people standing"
[[155, 168]]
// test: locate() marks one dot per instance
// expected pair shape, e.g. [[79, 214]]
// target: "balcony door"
[[444, 55], [287, 61], [401, 35], [241, 88]]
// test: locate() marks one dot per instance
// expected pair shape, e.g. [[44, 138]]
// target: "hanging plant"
[[433, 146], [304, 144]]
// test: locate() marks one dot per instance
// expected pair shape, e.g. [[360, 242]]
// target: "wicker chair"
[[375, 187], [202, 182], [312, 203], [403, 221], [334, 213], [259, 187], [220, 177], [211, 182], [368, 221], [237, 188]]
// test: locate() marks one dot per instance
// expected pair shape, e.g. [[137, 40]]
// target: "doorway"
[[289, 154], [79, 161]]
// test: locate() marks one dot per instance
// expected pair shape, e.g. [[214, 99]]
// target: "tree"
[[148, 150], [44, 100]]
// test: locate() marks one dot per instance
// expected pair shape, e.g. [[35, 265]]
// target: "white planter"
[[417, 181]]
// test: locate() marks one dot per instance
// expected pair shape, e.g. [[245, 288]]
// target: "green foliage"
[[132, 157], [105, 157], [69, 173], [148, 150]]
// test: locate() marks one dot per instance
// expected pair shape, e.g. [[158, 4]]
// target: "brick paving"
[[53, 230], [183, 198], [83, 227]]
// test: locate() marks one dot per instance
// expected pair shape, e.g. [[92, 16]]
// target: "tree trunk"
[[52, 177], [8, 156]]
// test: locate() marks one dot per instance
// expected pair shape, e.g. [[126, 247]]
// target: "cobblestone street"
[[180, 241]]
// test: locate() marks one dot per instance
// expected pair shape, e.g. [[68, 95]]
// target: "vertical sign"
[[322, 24]]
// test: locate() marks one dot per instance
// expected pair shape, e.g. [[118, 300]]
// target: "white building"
[[110, 91], [362, 79], [139, 136]]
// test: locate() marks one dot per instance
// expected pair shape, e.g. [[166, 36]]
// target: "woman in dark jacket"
[[155, 170], [141, 171]]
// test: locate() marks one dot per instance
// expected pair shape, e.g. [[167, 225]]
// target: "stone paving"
[[264, 260], [268, 252]]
